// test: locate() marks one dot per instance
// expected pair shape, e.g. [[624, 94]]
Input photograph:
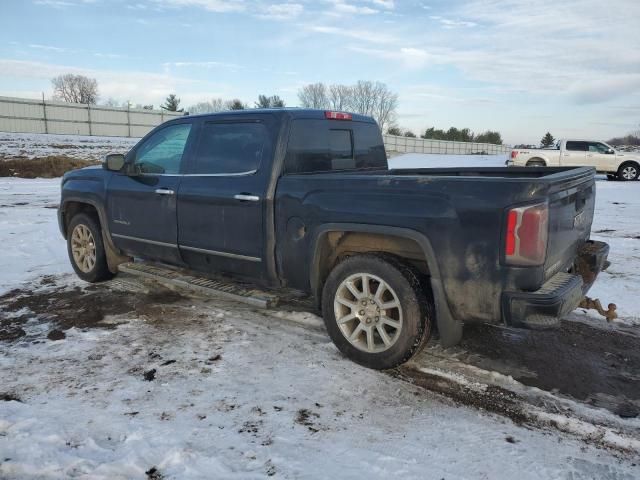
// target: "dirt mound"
[[52, 166]]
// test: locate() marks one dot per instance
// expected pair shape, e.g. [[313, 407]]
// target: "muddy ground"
[[52, 166], [597, 366]]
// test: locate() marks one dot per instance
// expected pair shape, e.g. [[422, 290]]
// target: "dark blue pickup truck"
[[304, 199]]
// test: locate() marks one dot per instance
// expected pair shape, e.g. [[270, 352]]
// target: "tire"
[[612, 177], [406, 327], [536, 163], [86, 250], [629, 171]]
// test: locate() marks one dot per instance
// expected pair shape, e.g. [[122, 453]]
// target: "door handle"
[[246, 198], [164, 191]]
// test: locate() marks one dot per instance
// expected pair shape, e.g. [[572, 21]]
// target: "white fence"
[[38, 116], [393, 143]]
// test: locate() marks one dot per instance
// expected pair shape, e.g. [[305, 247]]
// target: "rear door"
[[221, 200], [142, 207], [574, 154]]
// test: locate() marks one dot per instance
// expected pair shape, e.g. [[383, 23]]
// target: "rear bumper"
[[559, 295]]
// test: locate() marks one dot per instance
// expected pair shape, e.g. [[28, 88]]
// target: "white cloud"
[[140, 87], [281, 11], [388, 4], [49, 48], [204, 64], [363, 35], [341, 7], [210, 5], [449, 23]]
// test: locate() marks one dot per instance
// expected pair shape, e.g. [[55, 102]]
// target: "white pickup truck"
[[574, 153]]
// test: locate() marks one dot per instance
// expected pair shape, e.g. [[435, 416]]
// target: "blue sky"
[[521, 67]]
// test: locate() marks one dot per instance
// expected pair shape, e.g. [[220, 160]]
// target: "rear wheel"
[[612, 177], [86, 250], [629, 171], [536, 163], [375, 310]]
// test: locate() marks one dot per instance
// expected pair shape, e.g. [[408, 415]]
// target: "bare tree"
[[314, 96], [75, 88], [212, 106], [365, 97], [339, 96], [385, 107]]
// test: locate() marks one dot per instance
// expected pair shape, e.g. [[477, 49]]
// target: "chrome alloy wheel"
[[83, 248], [630, 172], [368, 312]]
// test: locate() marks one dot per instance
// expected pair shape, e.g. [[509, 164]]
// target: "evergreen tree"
[[235, 104], [547, 140], [172, 103], [394, 131]]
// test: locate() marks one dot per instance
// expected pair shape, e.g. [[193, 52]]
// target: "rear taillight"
[[527, 231], [337, 115], [514, 154]]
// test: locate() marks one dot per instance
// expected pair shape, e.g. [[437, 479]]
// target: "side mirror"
[[611, 151], [113, 162]]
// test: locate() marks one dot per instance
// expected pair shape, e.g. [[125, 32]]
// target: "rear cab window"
[[328, 146], [577, 146]]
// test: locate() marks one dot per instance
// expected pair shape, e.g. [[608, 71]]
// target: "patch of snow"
[[279, 400], [36, 145], [617, 222], [31, 243]]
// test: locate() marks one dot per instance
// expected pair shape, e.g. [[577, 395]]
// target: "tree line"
[[365, 97], [453, 134]]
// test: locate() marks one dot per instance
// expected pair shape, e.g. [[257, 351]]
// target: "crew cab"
[[576, 153], [304, 199]]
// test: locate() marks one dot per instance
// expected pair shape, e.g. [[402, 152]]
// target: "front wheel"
[[628, 171], [376, 311], [86, 250]]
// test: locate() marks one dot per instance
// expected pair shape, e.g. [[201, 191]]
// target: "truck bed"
[[462, 212]]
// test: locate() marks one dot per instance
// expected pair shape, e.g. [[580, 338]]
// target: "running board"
[[200, 285]]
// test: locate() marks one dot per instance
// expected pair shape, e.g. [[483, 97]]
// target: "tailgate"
[[571, 206]]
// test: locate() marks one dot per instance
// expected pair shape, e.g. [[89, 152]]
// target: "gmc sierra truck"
[[581, 153], [304, 199]]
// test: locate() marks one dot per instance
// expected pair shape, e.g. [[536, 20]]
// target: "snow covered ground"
[[37, 145], [240, 393]]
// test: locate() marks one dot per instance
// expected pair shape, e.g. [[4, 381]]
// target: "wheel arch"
[[334, 240], [537, 160], [71, 206]]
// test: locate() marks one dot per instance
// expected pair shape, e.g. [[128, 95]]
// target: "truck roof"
[[291, 112]]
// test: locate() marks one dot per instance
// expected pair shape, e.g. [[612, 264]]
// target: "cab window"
[[162, 152], [231, 148], [597, 147], [577, 146]]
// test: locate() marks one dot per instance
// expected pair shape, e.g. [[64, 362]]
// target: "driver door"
[[598, 157], [142, 198]]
